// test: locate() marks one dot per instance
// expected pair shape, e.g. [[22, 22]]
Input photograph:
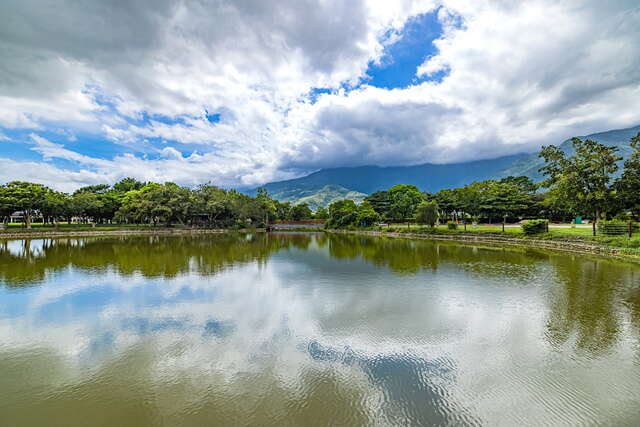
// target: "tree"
[[628, 185], [449, 201], [55, 205], [85, 205], [366, 215], [507, 198], [301, 211], [283, 210], [586, 176], [265, 204], [321, 213], [7, 204], [427, 212], [127, 184], [26, 197], [380, 202], [342, 213], [404, 200], [211, 202], [524, 183]]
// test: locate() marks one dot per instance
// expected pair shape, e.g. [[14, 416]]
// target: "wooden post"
[[630, 229]]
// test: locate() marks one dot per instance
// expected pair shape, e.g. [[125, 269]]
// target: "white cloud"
[[519, 75]]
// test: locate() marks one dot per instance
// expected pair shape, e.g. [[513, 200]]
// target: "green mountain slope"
[[316, 197], [530, 164], [327, 185], [368, 179]]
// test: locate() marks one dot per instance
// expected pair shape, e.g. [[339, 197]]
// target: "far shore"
[[505, 239], [559, 242]]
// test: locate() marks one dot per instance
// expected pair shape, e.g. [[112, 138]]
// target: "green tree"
[[85, 205], [628, 185], [428, 213], [283, 210], [586, 176], [266, 205], [127, 184], [380, 202], [507, 199], [321, 213], [404, 200], [7, 204], [26, 197], [301, 211], [342, 213], [366, 216], [55, 206], [212, 203]]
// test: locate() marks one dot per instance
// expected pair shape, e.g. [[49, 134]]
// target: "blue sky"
[[269, 94]]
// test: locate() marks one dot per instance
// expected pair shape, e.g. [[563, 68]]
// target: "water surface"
[[313, 329]]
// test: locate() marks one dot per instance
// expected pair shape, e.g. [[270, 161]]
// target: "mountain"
[[327, 185], [316, 197], [368, 179], [529, 165]]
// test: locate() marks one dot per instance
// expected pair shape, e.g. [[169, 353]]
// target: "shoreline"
[[124, 232], [568, 245], [572, 246]]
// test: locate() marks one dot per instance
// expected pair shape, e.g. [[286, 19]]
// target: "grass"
[[629, 246]]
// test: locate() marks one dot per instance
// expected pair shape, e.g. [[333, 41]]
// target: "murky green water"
[[313, 330]]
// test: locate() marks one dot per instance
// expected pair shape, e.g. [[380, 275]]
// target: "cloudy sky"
[[243, 92]]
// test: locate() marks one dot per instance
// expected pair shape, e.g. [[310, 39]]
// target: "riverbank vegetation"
[[581, 184], [589, 181], [133, 204]]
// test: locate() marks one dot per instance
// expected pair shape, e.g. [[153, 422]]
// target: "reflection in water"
[[313, 329]]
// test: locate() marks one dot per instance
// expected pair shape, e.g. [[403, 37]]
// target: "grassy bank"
[[578, 239]]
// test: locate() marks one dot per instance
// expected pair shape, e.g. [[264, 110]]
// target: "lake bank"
[[34, 233], [567, 245]]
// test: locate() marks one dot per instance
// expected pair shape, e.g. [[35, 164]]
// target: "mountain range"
[[328, 185]]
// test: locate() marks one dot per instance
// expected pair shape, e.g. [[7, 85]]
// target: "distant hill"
[[529, 165], [316, 197], [327, 185], [367, 179]]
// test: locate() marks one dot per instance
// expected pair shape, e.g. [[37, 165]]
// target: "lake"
[[313, 329]]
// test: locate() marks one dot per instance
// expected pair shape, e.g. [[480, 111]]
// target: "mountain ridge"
[[427, 176]]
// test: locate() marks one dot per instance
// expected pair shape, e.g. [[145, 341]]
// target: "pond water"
[[313, 329]]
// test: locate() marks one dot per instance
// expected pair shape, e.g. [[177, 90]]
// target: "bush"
[[451, 225], [535, 226]]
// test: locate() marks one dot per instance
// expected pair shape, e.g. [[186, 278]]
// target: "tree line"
[[581, 184], [133, 202], [584, 183]]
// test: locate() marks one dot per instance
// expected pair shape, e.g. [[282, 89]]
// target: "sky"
[[243, 92]]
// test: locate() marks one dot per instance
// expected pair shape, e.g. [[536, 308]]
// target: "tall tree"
[[628, 185], [427, 212], [301, 211], [366, 216], [586, 176], [380, 202], [404, 200], [342, 213], [26, 197]]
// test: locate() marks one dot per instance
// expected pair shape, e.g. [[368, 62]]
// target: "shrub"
[[451, 225], [535, 226]]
